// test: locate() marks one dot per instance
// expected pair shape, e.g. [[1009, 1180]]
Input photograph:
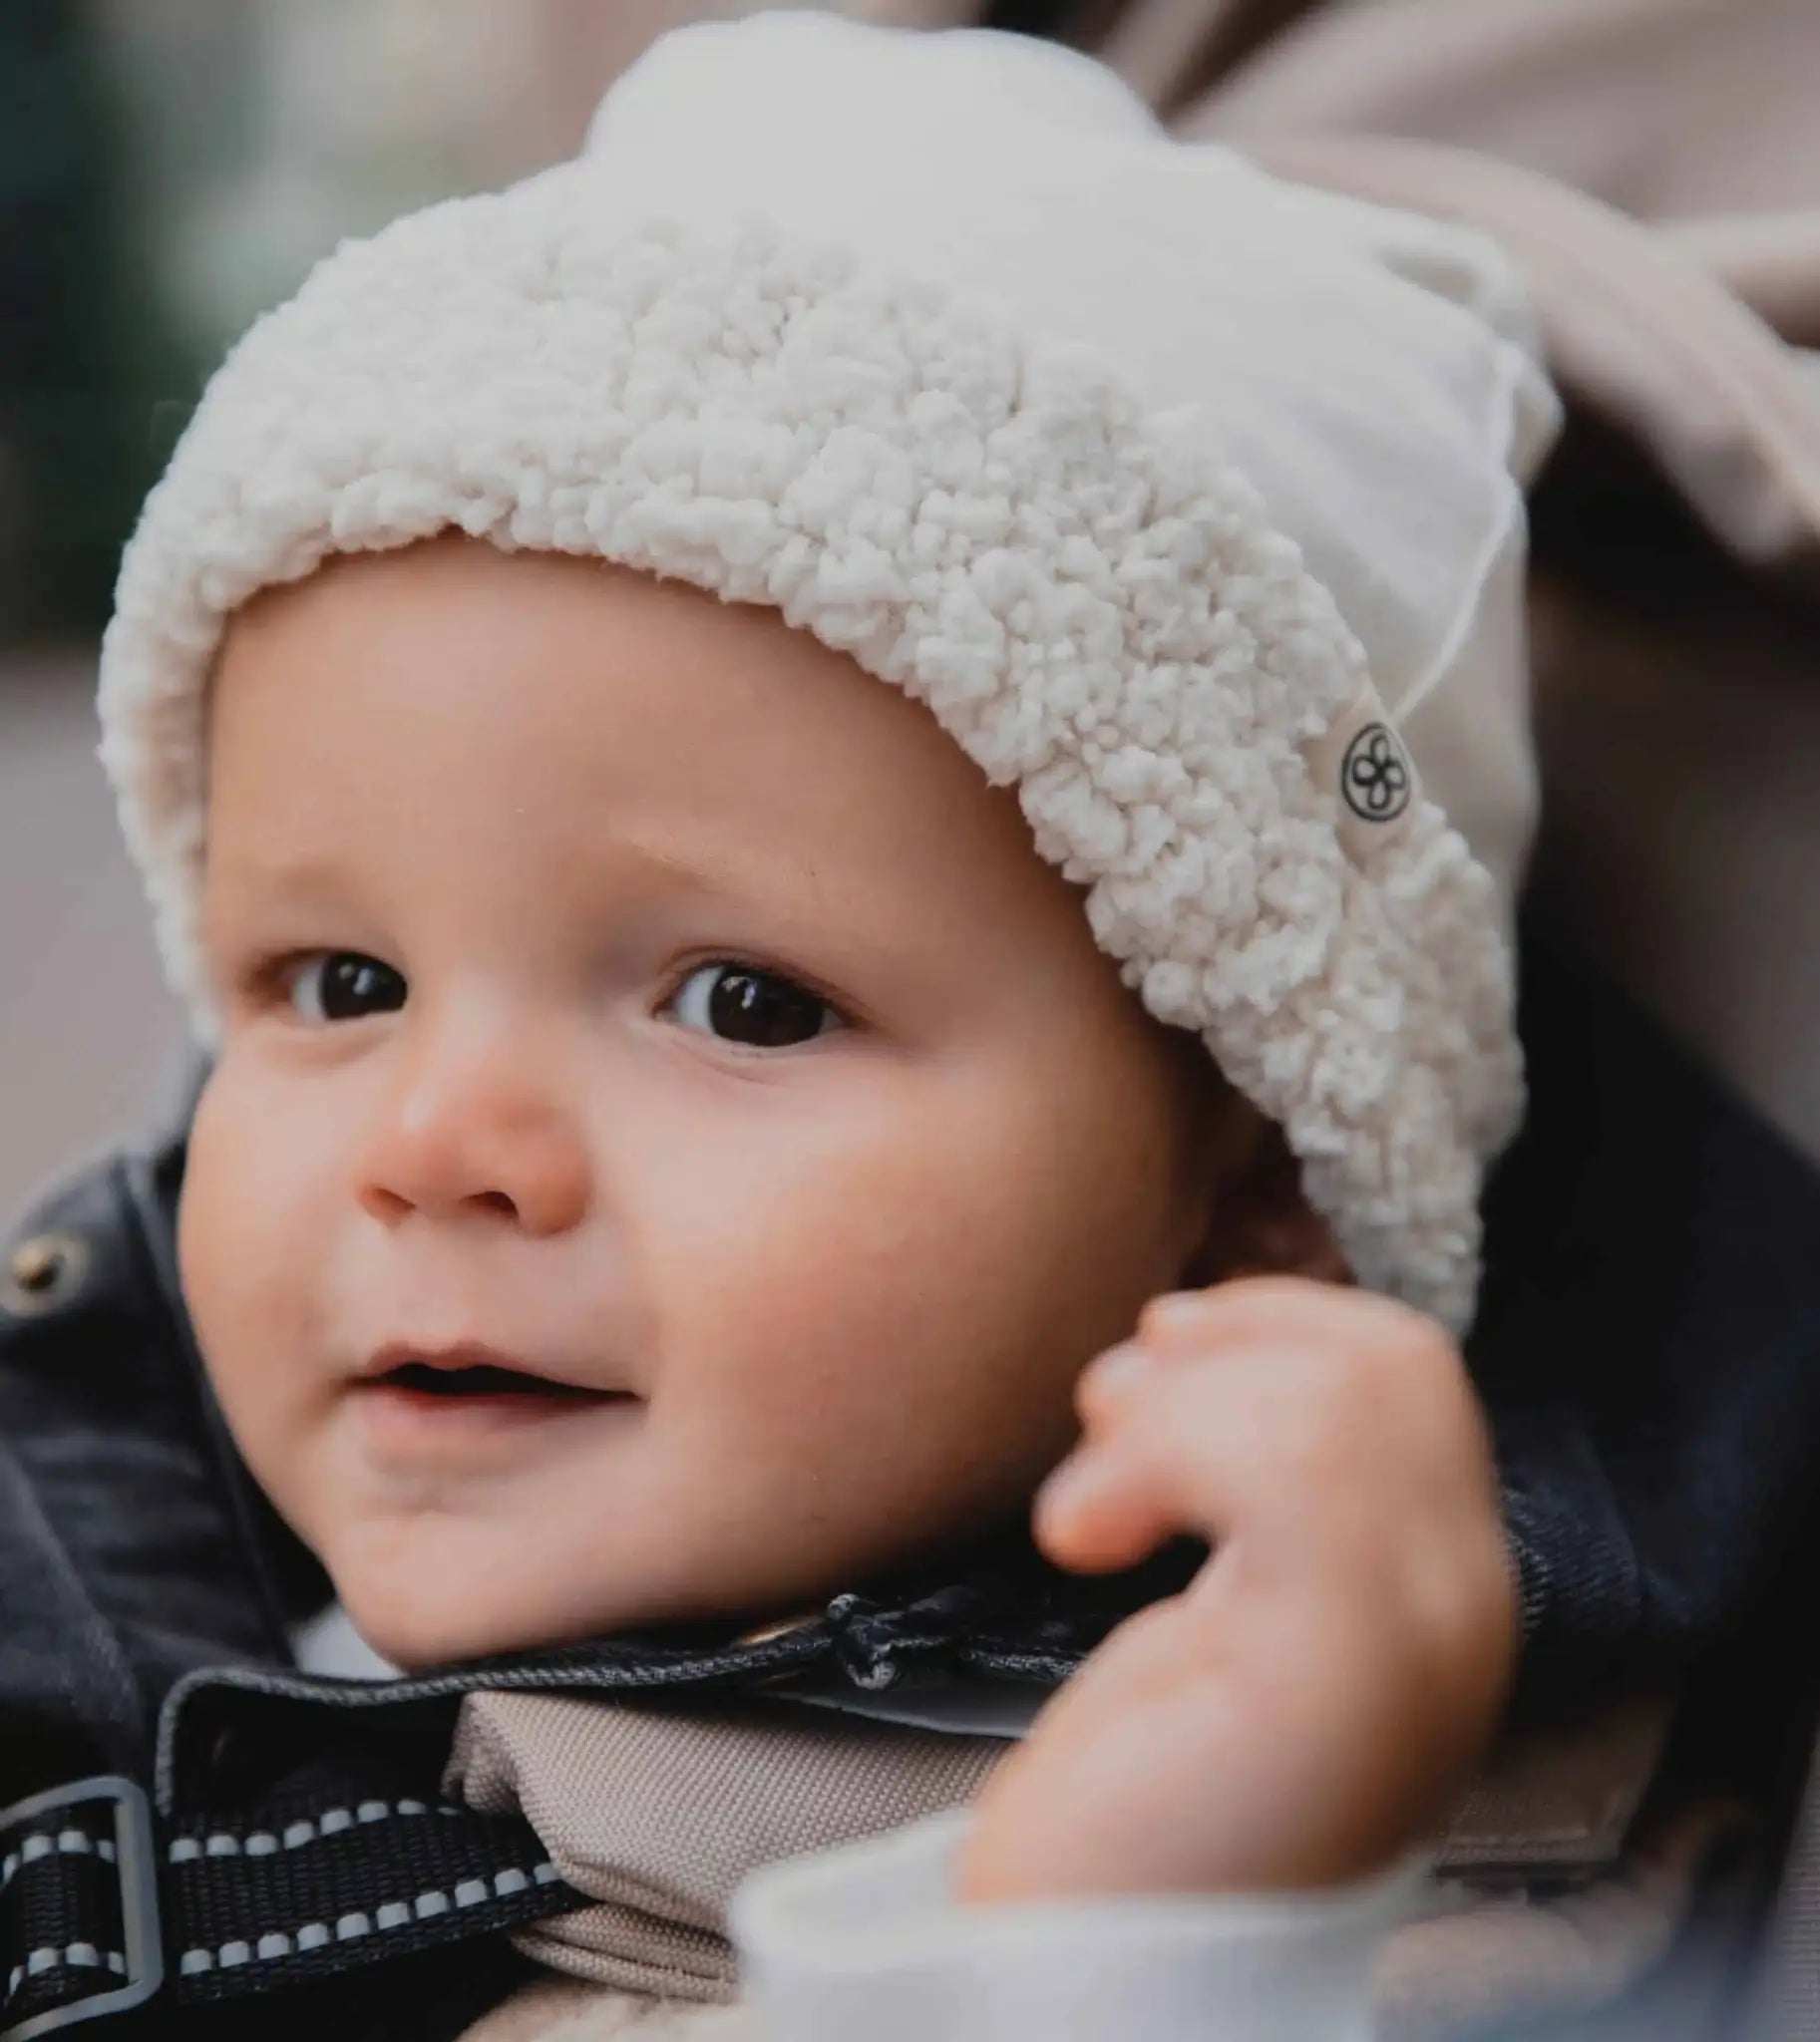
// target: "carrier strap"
[[104, 1909]]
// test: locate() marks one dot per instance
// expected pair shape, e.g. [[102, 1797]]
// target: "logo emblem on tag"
[[1366, 769], [1375, 779]]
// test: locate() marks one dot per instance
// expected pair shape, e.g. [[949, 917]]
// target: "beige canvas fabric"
[[1558, 1801], [660, 1811], [1485, 1961]]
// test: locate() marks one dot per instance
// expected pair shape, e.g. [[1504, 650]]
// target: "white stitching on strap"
[[40, 1843], [262, 1842], [312, 1935], [76, 1957]]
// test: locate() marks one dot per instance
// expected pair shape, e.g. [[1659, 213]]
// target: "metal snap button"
[[43, 1272]]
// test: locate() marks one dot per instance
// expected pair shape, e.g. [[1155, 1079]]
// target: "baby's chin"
[[419, 1634], [440, 1582], [441, 1596], [435, 1615], [441, 1592], [420, 1630]]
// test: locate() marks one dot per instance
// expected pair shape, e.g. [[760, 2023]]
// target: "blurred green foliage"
[[93, 385]]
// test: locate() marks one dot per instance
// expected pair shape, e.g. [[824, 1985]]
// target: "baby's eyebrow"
[[807, 896], [745, 867], [309, 876]]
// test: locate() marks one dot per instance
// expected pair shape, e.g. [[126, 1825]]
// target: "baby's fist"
[[1304, 1712]]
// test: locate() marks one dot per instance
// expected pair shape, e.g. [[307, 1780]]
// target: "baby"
[[813, 923]]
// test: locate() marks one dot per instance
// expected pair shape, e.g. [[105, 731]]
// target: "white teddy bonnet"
[[1188, 500]]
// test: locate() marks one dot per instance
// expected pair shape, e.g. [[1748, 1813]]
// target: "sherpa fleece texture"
[[996, 519], [1100, 618]]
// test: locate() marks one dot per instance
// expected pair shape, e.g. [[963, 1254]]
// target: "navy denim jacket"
[[1648, 1344]]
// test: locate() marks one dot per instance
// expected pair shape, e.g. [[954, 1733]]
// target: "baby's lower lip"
[[399, 1418]]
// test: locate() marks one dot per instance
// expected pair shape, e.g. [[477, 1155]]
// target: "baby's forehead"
[[604, 715], [618, 678]]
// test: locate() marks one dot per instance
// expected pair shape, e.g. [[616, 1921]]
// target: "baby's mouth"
[[483, 1379], [469, 1385], [472, 1409]]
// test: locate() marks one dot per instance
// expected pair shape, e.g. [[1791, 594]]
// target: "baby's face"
[[624, 988]]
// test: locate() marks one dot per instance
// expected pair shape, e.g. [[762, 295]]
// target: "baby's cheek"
[[876, 1337], [248, 1259], [218, 1244]]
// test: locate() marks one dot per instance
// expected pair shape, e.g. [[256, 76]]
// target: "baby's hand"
[[1301, 1714]]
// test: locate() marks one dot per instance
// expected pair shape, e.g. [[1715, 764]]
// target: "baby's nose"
[[481, 1129]]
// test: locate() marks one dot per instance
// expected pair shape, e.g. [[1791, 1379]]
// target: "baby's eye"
[[762, 1009], [343, 985]]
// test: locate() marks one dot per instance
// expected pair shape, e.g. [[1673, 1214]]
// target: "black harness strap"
[[107, 1905], [103, 1908]]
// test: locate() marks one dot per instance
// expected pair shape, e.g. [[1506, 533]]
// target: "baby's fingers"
[[1107, 1385], [1101, 1509], [1163, 1452]]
